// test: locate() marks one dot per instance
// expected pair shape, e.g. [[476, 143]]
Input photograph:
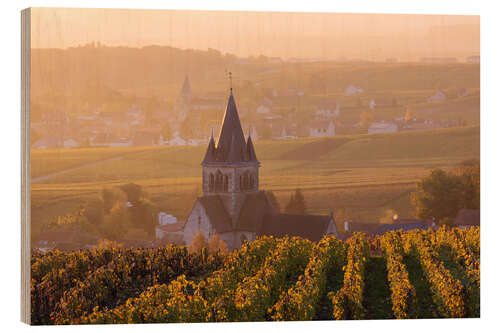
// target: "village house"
[[439, 95], [421, 124], [353, 90], [284, 131], [265, 106], [381, 102], [171, 232], [232, 205], [168, 229], [382, 127], [321, 128], [164, 218], [177, 140], [69, 142], [328, 109]]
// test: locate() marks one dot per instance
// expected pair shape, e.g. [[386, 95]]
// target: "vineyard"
[[400, 275]]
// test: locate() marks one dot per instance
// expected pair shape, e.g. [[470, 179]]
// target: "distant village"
[[232, 205], [190, 119]]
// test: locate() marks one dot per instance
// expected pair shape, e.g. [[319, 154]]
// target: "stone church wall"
[[197, 221]]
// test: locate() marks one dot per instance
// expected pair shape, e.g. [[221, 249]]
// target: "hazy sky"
[[322, 35]]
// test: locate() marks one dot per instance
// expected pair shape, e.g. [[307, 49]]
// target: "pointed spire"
[[235, 153], [252, 157], [231, 145], [231, 131], [210, 154]]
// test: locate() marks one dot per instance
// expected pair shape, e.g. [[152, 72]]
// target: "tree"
[[366, 119], [94, 212], [297, 204], [143, 215], [215, 244], [133, 192], [110, 197], [105, 243], [198, 243], [410, 113], [135, 233], [470, 176], [117, 222], [274, 200], [439, 195]]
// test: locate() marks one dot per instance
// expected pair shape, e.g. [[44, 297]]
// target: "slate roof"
[[312, 227], [231, 134], [210, 153], [252, 157], [258, 215], [217, 213], [253, 211], [468, 217], [422, 225], [366, 227], [231, 147]]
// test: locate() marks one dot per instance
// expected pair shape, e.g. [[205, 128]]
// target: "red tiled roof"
[[174, 227]]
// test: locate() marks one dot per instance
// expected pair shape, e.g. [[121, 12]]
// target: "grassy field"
[[366, 174]]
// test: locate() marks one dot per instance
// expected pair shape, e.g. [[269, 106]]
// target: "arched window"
[[211, 183], [226, 183], [252, 181], [219, 181], [246, 181]]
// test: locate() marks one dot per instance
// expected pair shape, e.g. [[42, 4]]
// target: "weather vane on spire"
[[230, 76]]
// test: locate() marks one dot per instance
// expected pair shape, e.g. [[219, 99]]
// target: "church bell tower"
[[230, 166]]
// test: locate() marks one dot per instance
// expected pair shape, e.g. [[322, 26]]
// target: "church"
[[232, 205]]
